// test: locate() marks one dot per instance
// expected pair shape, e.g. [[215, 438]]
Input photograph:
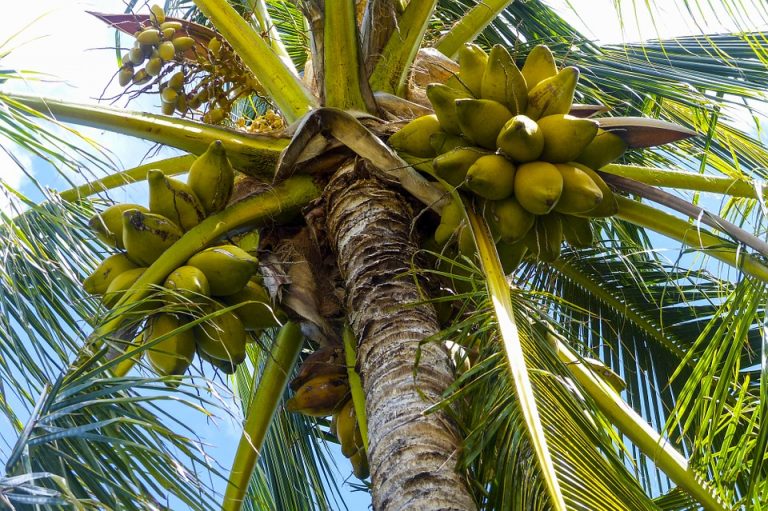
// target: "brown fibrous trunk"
[[412, 454]]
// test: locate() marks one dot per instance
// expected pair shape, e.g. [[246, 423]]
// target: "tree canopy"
[[571, 371]]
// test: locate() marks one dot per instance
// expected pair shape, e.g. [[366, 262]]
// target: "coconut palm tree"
[[611, 377]]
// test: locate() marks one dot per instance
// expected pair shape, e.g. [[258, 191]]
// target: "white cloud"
[[60, 38], [12, 161]]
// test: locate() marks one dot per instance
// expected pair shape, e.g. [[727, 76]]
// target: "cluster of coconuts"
[[505, 136], [192, 75], [213, 279], [322, 389]]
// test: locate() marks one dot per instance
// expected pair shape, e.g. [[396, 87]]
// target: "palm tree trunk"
[[412, 455]]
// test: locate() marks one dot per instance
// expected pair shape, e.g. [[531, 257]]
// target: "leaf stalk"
[[267, 392]]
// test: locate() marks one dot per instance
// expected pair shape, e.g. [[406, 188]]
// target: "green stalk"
[[170, 167], [342, 84], [283, 87], [691, 235], [355, 384], [288, 196], [260, 12], [392, 69], [266, 397], [651, 443], [675, 203], [665, 178], [254, 155], [469, 26], [498, 290]]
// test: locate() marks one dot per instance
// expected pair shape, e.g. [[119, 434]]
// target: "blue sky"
[[75, 47]]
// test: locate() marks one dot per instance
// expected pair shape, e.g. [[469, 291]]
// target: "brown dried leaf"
[[639, 132], [275, 277], [431, 66], [344, 127], [292, 272], [307, 142], [247, 186], [395, 107]]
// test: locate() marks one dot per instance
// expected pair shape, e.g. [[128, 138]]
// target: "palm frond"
[[718, 405], [654, 317], [46, 252], [107, 440], [113, 441], [681, 304], [496, 452], [289, 22], [737, 15], [518, 23], [498, 295], [727, 145], [24, 490]]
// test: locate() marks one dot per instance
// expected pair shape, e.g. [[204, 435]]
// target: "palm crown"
[[484, 372]]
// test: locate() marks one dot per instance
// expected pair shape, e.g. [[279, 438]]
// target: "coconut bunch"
[[321, 389], [210, 281], [192, 74], [505, 137]]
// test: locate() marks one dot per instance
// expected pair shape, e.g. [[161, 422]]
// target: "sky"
[[60, 38]]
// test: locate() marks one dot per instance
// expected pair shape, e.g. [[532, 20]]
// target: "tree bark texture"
[[412, 455], [379, 22]]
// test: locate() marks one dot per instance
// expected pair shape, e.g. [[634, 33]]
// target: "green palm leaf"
[[497, 453], [114, 444], [24, 490], [46, 252], [718, 406]]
